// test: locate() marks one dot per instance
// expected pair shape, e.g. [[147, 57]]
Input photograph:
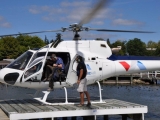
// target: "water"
[[148, 95]]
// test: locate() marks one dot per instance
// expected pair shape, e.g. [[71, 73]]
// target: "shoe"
[[50, 89], [80, 105], [44, 80], [88, 104]]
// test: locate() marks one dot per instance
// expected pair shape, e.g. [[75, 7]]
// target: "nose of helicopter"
[[1, 76], [9, 76]]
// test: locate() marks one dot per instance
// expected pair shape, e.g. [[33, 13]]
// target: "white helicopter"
[[99, 60]]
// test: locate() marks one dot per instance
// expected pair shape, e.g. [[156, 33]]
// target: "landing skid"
[[46, 93], [100, 94]]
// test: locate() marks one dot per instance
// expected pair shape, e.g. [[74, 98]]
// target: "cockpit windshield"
[[21, 62]]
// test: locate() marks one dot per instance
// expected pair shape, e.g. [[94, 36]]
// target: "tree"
[[157, 52], [136, 47], [31, 42], [51, 41], [46, 41], [9, 48], [151, 45], [108, 42]]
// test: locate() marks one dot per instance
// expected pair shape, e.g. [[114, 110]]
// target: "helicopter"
[[99, 60]]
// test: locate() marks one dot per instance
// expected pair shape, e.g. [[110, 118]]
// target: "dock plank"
[[38, 105], [60, 108], [31, 106], [16, 106], [97, 106], [131, 104], [25, 107], [74, 107], [7, 108], [104, 106], [3, 116], [120, 102], [52, 108], [68, 107]]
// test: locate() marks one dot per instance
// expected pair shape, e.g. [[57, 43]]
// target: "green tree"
[[108, 42], [31, 42], [9, 48], [157, 52], [136, 47], [46, 41], [51, 41], [151, 45]]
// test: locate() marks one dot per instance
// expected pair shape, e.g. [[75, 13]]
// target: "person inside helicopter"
[[46, 70], [53, 71]]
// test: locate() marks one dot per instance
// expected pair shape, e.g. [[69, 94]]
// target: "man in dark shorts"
[[82, 81]]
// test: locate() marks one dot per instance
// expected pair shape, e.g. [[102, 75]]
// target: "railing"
[[151, 74]]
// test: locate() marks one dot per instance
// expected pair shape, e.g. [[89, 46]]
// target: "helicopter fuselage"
[[99, 60]]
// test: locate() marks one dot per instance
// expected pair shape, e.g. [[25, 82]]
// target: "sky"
[[18, 16]]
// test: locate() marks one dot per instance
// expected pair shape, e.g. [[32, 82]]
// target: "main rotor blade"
[[93, 12], [108, 30], [31, 33]]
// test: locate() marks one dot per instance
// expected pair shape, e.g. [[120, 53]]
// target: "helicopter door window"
[[33, 70], [36, 61], [103, 45]]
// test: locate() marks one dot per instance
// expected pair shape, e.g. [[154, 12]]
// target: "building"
[[5, 62]]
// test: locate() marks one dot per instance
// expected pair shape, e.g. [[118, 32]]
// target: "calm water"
[[142, 94]]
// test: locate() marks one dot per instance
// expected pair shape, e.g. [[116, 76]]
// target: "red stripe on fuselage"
[[125, 65]]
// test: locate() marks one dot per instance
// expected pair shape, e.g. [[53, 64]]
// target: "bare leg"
[[82, 98], [87, 95]]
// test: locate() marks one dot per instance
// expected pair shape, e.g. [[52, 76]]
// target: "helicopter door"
[[72, 74], [35, 68]]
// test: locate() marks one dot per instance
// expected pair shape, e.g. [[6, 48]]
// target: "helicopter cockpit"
[[21, 62], [33, 63], [30, 66]]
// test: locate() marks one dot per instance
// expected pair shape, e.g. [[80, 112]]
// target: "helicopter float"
[[99, 60]]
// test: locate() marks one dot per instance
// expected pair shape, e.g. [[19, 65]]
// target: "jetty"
[[32, 109]]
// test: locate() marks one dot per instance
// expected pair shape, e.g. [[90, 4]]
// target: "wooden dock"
[[32, 109]]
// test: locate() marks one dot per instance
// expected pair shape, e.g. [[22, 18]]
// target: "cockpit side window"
[[40, 56], [33, 70], [21, 62]]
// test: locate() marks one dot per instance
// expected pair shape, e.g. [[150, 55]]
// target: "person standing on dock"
[[82, 81]]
